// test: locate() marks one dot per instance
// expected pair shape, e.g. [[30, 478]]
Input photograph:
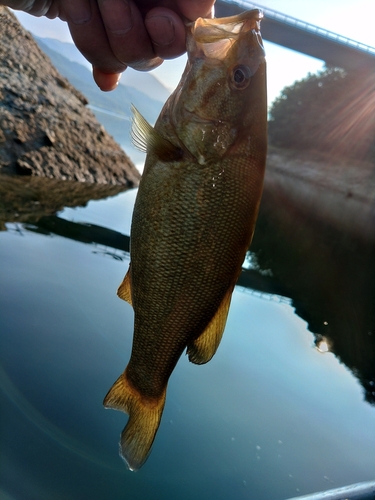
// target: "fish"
[[194, 215]]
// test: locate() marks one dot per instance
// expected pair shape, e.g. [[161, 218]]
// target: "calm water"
[[270, 417]]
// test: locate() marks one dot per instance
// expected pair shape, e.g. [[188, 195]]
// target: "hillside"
[[112, 109], [131, 78], [118, 101], [46, 128]]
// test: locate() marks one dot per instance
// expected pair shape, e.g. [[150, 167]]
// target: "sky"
[[351, 19]]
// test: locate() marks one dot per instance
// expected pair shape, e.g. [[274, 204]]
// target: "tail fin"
[[144, 419]]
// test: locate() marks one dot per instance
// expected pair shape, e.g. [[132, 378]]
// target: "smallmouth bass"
[[194, 215]]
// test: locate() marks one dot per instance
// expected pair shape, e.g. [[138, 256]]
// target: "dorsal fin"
[[148, 140]]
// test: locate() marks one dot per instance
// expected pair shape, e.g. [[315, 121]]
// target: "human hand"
[[114, 34]]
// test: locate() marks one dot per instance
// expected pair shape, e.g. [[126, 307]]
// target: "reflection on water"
[[25, 199], [270, 417], [327, 268]]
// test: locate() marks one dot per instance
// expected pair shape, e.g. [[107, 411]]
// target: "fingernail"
[[160, 29], [79, 12], [115, 83], [117, 16], [106, 81]]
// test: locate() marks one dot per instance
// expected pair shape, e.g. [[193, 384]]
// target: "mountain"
[[68, 50], [146, 81], [112, 109], [149, 84]]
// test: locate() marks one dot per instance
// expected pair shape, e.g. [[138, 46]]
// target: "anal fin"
[[202, 349], [124, 290], [144, 420]]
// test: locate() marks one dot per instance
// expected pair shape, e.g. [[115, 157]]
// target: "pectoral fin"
[[202, 349], [144, 419], [124, 290], [147, 139]]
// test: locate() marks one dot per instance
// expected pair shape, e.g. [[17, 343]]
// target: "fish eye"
[[240, 77]]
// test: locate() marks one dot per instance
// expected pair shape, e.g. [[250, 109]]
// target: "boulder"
[[46, 128]]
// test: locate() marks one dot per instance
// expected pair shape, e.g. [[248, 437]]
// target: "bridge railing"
[[278, 16]]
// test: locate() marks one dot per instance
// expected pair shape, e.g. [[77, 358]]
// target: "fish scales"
[[194, 216], [189, 245]]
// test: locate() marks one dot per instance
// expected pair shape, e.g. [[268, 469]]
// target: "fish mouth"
[[216, 36], [213, 30]]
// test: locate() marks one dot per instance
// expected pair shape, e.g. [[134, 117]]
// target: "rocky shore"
[[45, 127]]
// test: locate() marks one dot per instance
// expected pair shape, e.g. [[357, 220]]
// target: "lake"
[[285, 407]]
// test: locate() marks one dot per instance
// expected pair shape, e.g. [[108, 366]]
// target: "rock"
[[45, 127]]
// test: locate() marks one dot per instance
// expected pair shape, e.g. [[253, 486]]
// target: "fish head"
[[222, 92]]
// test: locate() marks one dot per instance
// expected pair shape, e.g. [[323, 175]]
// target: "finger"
[[36, 7], [89, 35], [127, 34], [167, 32], [192, 9], [105, 81], [78, 12]]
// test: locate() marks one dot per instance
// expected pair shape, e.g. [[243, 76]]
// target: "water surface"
[[270, 417]]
